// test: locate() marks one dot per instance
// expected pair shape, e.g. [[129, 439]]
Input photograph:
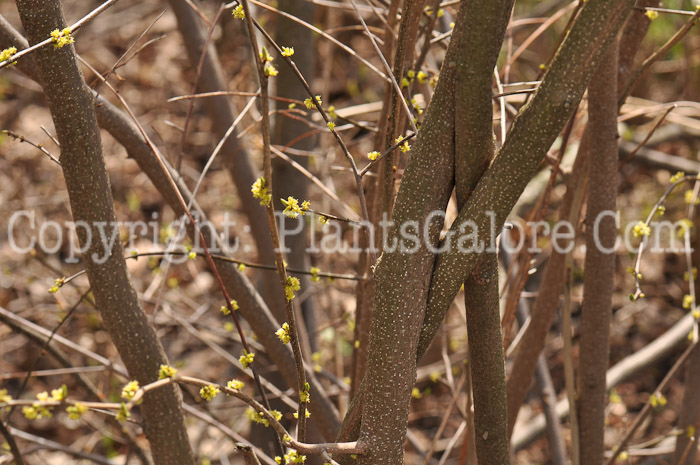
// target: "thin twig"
[[324, 115], [121, 61], [80, 23], [10, 439], [386, 67], [641, 416], [655, 208], [648, 136], [569, 363], [540, 30], [666, 10], [38, 146], [293, 331], [210, 261], [317, 31], [48, 444], [658, 54], [326, 190], [369, 166], [190, 108]]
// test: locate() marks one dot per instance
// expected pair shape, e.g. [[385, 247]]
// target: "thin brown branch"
[[657, 55], [76, 26]]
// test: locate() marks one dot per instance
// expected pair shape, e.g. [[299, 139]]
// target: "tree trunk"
[[72, 109], [599, 265]]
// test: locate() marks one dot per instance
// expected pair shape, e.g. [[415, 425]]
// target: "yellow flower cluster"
[[657, 400], [75, 412], [57, 283], [373, 155], [411, 75], [307, 414], [166, 371], [316, 358], [239, 12], [225, 310], [404, 147], [130, 389], [641, 229], [310, 104], [209, 392], [294, 457], [283, 333], [676, 177], [6, 54], [246, 359], [36, 410], [270, 70], [634, 273], [60, 393], [314, 274], [687, 301], [260, 191], [685, 225], [123, 414], [305, 395], [292, 286], [416, 106], [292, 209], [61, 38], [235, 384], [287, 51], [259, 417]]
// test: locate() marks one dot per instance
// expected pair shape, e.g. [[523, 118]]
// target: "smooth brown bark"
[[484, 29], [400, 285], [532, 133], [552, 286], [686, 452], [631, 38], [400, 298], [486, 362], [72, 109], [599, 264], [378, 188]]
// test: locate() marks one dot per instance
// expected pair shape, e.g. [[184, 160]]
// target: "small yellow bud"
[[239, 12], [209, 392]]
